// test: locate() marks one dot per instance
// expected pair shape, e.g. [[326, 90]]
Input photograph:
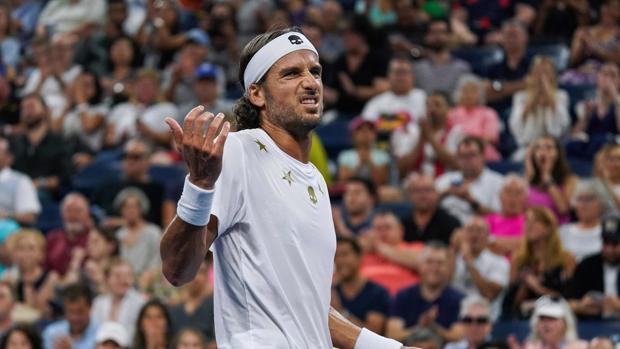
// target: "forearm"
[[487, 289], [559, 200], [344, 333], [183, 248], [407, 259]]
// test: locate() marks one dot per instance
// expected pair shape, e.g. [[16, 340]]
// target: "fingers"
[[188, 123], [177, 132], [218, 150], [212, 130], [199, 127]]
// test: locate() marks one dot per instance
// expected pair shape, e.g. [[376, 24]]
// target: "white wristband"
[[194, 207], [371, 340]]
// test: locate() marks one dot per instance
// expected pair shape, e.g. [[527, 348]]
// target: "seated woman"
[[472, 117], [598, 119], [541, 109], [540, 266], [550, 178]]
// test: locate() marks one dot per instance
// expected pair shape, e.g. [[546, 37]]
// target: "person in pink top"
[[390, 262], [506, 227], [472, 117]]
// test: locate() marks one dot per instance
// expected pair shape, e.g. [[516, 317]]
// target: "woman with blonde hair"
[[553, 325], [539, 110], [540, 266], [607, 171]]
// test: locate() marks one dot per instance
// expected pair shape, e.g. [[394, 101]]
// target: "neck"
[[298, 147], [37, 133], [117, 298], [430, 292], [31, 273], [439, 57], [513, 57], [155, 343], [471, 176], [354, 282], [589, 223]]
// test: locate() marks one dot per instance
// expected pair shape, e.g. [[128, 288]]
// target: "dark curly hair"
[[29, 331], [245, 114]]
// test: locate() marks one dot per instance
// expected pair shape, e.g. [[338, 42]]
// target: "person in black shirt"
[[38, 152], [360, 300], [427, 220]]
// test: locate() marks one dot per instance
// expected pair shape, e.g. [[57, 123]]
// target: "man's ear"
[[256, 95]]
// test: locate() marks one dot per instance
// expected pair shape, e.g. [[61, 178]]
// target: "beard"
[[436, 46], [33, 122], [286, 117]]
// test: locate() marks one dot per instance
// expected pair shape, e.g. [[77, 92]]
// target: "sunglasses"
[[481, 320]]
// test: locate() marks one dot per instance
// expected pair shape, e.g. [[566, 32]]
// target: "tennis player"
[[256, 201]]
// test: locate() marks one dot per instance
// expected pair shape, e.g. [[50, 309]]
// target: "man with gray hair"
[[475, 319]]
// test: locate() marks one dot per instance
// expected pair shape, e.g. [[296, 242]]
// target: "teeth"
[[308, 101]]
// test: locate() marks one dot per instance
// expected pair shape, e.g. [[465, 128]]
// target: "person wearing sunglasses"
[[596, 283], [475, 321]]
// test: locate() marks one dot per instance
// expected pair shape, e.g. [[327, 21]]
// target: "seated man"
[[360, 300], [390, 262], [358, 209], [431, 303], [476, 323]]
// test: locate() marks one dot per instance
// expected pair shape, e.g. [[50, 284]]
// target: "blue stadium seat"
[[400, 209], [480, 58], [580, 167], [49, 218], [167, 175], [335, 137], [577, 93], [505, 167], [559, 53], [89, 178]]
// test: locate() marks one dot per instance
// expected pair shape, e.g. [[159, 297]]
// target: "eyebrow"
[[288, 70]]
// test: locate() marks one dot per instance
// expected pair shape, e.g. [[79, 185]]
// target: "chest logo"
[[312, 195], [261, 146], [288, 176]]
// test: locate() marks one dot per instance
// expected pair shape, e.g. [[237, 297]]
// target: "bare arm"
[[488, 289]]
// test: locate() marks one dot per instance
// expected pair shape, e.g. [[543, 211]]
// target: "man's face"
[[476, 324], [347, 262], [437, 36], [513, 198], [120, 279], [293, 93], [32, 112], [6, 302], [423, 194], [514, 38], [476, 234], [5, 155], [434, 267], [470, 160], [611, 251], [146, 90], [77, 313], [356, 198], [400, 76], [75, 215], [388, 229], [205, 90], [135, 161]]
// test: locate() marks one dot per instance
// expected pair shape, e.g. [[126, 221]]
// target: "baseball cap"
[[112, 331], [198, 36], [359, 122], [206, 71], [554, 307]]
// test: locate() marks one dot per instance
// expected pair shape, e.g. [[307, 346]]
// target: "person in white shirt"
[[478, 271], [473, 189], [583, 238], [18, 195], [256, 201]]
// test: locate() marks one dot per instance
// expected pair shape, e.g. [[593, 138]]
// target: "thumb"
[[177, 132]]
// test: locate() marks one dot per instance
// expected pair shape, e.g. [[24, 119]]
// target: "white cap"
[[112, 331], [545, 306]]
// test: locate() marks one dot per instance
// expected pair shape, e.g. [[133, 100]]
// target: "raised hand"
[[201, 146]]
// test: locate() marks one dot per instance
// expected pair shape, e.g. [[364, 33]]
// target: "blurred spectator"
[[195, 307], [63, 242], [18, 196], [9, 45], [9, 106], [355, 216], [180, 77], [154, 327], [429, 149], [594, 45], [61, 16], [478, 271], [142, 116], [360, 300], [472, 117], [7, 306], [596, 283], [21, 336], [74, 329], [390, 261], [189, 338], [430, 303], [406, 35], [601, 343], [473, 188], [38, 152], [607, 171], [475, 319], [379, 12], [205, 90], [251, 16], [439, 71], [112, 335], [359, 72], [539, 110], [224, 48], [428, 221], [8, 227], [553, 325], [540, 266], [136, 165], [550, 178], [122, 302], [122, 58], [402, 105], [424, 337], [598, 120], [506, 227], [557, 20], [583, 237], [332, 43], [365, 160], [85, 112], [54, 70], [24, 15], [34, 286], [508, 76], [139, 240]]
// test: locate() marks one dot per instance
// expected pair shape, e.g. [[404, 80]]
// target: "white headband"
[[271, 52]]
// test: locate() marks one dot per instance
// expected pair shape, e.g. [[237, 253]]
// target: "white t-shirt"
[[610, 275], [414, 103], [125, 115], [492, 267], [581, 242], [18, 194], [72, 126], [485, 190], [275, 249]]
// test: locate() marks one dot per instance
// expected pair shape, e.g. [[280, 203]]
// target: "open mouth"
[[310, 101]]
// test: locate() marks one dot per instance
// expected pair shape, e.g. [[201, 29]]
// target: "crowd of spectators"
[[471, 148]]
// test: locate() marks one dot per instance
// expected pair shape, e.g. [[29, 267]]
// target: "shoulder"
[[490, 175], [56, 328], [376, 290], [452, 295]]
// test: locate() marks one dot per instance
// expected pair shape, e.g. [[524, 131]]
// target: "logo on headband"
[[295, 40]]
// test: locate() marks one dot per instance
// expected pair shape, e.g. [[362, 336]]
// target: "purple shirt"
[[505, 227]]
